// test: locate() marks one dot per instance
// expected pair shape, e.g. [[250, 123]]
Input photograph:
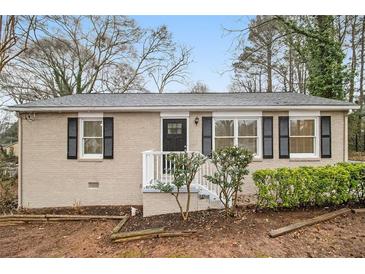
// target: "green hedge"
[[310, 186]]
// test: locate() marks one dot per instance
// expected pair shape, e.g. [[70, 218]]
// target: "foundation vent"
[[93, 184]]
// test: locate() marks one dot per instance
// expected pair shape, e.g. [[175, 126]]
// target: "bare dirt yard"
[[245, 235]]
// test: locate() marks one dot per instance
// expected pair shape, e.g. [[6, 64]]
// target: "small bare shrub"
[[8, 197]]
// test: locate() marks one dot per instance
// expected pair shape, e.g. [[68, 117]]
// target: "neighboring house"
[[106, 149]]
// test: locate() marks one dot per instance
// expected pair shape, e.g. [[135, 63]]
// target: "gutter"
[[185, 108]]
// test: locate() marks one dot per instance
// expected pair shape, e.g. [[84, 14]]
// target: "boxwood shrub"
[[310, 186]]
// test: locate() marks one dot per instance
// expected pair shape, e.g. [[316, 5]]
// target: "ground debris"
[[219, 241]]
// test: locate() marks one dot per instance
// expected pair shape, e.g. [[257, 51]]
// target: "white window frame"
[[316, 137], [258, 155], [83, 155]]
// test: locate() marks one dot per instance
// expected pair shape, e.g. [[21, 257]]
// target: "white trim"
[[316, 136], [304, 113], [20, 162], [166, 108], [245, 114], [82, 155], [187, 130], [174, 114], [90, 114], [235, 136]]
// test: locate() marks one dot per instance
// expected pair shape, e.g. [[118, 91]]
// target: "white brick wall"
[[49, 179]]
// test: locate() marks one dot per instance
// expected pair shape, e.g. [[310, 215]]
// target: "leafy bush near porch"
[[231, 167], [310, 186], [184, 168]]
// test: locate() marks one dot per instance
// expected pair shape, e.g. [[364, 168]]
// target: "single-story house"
[[107, 149]]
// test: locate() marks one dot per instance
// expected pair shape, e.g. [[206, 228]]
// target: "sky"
[[212, 46]]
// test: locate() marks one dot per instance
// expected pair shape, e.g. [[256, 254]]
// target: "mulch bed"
[[82, 210]]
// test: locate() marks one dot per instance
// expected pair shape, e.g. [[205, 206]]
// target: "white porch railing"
[[157, 168]]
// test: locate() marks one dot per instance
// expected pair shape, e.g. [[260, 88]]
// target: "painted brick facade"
[[49, 179]]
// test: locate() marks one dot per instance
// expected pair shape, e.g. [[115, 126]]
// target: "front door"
[[174, 139], [174, 135]]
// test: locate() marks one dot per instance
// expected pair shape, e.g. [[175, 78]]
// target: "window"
[[237, 132], [91, 138], [302, 136], [224, 133], [247, 134], [174, 128]]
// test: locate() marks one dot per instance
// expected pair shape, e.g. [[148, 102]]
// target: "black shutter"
[[284, 137], [207, 136], [72, 138], [108, 137], [326, 137], [267, 140]]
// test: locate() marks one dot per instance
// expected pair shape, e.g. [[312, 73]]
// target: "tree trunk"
[[361, 82], [353, 60], [269, 67], [291, 84]]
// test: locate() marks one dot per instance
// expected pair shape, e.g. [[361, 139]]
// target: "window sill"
[[304, 159], [90, 160]]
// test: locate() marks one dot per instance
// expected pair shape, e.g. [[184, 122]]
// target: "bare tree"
[[199, 87], [13, 38], [263, 51], [172, 69], [67, 54], [160, 59], [354, 44]]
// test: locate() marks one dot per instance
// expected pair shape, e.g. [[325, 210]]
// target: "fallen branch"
[[312, 221], [151, 231], [119, 226]]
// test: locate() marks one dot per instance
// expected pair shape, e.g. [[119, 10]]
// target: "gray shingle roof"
[[133, 100]]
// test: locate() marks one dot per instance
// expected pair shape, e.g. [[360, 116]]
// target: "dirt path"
[[242, 236]]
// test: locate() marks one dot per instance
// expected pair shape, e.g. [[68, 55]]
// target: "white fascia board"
[[174, 114], [177, 108], [224, 114], [90, 114]]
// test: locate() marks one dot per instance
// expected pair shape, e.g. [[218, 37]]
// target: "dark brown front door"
[[174, 135]]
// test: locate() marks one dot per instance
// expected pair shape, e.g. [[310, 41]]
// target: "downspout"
[[345, 148], [20, 160]]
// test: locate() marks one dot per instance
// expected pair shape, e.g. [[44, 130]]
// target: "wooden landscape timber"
[[358, 210], [321, 218], [11, 223], [119, 226], [56, 218], [154, 235], [150, 231]]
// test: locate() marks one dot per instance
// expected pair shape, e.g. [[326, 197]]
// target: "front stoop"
[[157, 203]]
